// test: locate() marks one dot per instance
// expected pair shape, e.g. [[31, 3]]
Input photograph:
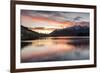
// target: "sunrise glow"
[[47, 22]]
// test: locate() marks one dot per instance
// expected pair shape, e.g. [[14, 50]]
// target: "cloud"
[[55, 15], [78, 18], [55, 18]]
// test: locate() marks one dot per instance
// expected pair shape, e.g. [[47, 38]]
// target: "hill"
[[27, 34], [72, 31]]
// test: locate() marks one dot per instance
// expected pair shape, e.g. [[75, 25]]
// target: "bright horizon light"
[[48, 21]]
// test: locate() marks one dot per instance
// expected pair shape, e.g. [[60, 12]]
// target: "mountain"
[[72, 31], [82, 23], [27, 34]]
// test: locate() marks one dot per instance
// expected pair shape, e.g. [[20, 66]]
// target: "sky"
[[48, 21]]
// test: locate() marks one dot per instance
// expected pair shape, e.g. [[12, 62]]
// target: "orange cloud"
[[43, 25], [53, 22]]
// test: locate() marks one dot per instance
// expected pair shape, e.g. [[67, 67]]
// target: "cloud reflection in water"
[[55, 49]]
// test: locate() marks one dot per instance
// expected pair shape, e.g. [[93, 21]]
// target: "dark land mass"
[[27, 34], [72, 31]]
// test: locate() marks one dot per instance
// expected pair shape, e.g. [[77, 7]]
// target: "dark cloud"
[[57, 15], [77, 18]]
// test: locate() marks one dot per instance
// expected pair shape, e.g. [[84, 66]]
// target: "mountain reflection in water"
[[55, 49]]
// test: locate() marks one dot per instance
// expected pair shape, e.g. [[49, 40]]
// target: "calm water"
[[55, 49]]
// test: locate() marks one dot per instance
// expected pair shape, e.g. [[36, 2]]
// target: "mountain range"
[[72, 31], [27, 34]]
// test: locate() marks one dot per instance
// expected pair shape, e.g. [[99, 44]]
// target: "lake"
[[55, 49]]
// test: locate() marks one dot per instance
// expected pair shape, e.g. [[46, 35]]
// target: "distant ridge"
[[72, 31], [28, 34]]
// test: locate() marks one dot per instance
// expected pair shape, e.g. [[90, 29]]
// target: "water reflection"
[[55, 49]]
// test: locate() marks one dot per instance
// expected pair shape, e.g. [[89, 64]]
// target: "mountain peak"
[[76, 30]]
